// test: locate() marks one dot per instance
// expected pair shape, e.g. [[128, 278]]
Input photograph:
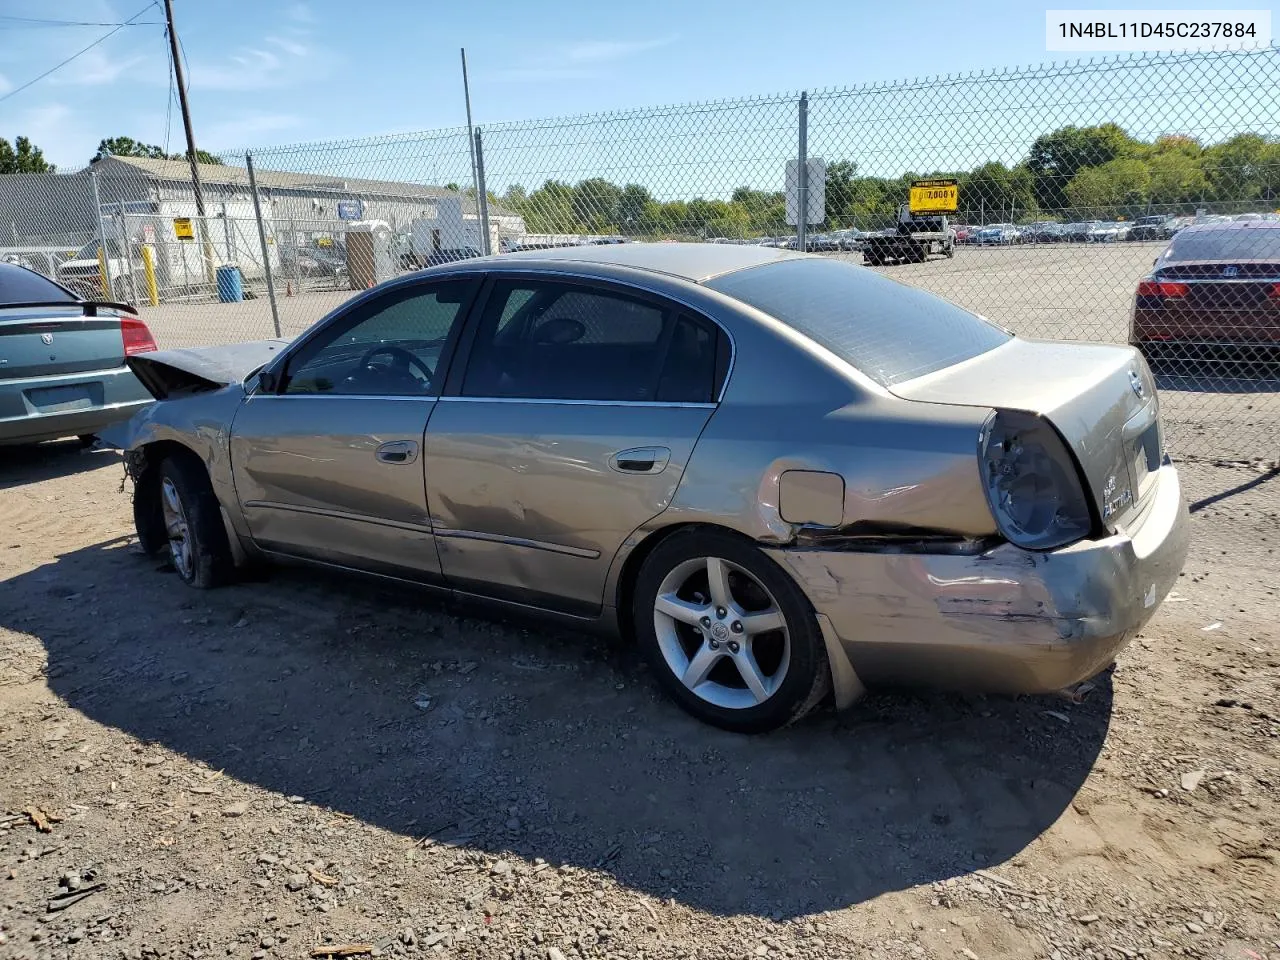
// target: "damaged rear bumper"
[[1003, 621]]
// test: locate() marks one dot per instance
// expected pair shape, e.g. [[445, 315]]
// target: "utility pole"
[[186, 108], [191, 138]]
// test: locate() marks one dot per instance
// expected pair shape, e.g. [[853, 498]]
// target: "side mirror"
[[267, 382]]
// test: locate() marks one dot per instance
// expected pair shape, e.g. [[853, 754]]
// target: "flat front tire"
[[730, 635], [196, 539]]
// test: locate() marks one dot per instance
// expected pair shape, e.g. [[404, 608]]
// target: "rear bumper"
[[1004, 621], [105, 397]]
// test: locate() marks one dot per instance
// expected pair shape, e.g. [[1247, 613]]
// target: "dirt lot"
[[1062, 291], [264, 770]]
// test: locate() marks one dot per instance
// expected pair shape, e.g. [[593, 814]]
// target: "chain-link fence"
[[1133, 199]]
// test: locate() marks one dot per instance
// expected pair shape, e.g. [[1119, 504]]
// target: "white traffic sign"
[[817, 205]]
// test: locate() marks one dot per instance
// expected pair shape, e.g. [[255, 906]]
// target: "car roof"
[[1232, 225], [691, 261]]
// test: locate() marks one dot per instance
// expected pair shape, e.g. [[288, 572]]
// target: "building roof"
[[692, 261], [179, 171]]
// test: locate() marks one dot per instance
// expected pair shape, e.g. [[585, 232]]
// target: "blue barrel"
[[230, 284]]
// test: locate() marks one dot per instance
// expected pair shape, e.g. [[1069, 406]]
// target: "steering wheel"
[[404, 361]]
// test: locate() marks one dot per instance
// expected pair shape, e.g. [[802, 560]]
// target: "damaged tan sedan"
[[787, 476]]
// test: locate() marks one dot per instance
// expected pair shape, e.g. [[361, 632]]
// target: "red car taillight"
[[1275, 291], [135, 336], [1161, 288]]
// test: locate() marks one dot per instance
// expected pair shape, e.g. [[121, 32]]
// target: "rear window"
[[888, 330], [1232, 243], [20, 285]]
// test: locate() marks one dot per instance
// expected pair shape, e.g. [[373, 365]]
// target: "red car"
[[1214, 294]]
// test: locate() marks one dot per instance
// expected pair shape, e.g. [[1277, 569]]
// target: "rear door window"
[[555, 340], [890, 331]]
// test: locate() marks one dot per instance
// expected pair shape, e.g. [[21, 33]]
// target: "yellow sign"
[[934, 196], [324, 241], [182, 228]]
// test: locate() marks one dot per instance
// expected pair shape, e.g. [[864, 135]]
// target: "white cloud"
[[97, 68], [302, 13], [243, 130], [5, 85], [607, 51], [254, 68], [579, 61]]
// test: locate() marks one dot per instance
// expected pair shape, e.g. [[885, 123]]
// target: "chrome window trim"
[[338, 396], [491, 270], [582, 403], [501, 270]]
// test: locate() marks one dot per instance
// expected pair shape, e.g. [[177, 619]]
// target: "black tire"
[[211, 563], [808, 675]]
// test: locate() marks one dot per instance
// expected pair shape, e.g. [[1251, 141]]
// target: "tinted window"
[[391, 347], [560, 341], [888, 330], [1232, 243], [20, 285]]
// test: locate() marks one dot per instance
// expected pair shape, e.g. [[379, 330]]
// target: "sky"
[[286, 71]]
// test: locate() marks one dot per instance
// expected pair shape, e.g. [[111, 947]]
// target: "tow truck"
[[922, 229]]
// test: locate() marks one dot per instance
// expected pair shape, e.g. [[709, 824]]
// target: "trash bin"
[[230, 284]]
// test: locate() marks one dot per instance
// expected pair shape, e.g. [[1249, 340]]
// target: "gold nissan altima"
[[787, 477]]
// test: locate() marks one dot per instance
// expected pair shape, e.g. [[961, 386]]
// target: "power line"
[[110, 33], [7, 21]]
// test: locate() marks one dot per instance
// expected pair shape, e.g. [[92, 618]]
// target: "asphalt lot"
[[1057, 291]]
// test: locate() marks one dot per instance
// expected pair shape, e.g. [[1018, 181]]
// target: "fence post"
[[482, 197], [128, 253], [104, 262], [802, 174], [262, 238]]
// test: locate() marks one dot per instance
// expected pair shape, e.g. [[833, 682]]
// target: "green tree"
[[632, 204], [128, 147], [23, 157], [549, 209], [1244, 168], [993, 192], [1055, 158], [1120, 186], [595, 205]]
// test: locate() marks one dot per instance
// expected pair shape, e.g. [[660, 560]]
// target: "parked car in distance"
[[1213, 295], [82, 273], [997, 234], [1106, 231], [1044, 231], [62, 360], [1156, 227], [450, 256]]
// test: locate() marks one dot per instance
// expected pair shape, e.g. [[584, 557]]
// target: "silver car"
[[786, 476]]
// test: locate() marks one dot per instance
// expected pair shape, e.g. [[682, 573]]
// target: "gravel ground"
[[306, 763]]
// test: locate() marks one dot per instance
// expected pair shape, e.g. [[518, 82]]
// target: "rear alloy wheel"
[[733, 639], [197, 541]]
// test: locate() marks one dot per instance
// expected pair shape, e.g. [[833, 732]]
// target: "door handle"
[[641, 460], [397, 451]]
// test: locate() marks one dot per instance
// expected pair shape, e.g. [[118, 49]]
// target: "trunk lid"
[[174, 373], [1101, 398], [44, 341]]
